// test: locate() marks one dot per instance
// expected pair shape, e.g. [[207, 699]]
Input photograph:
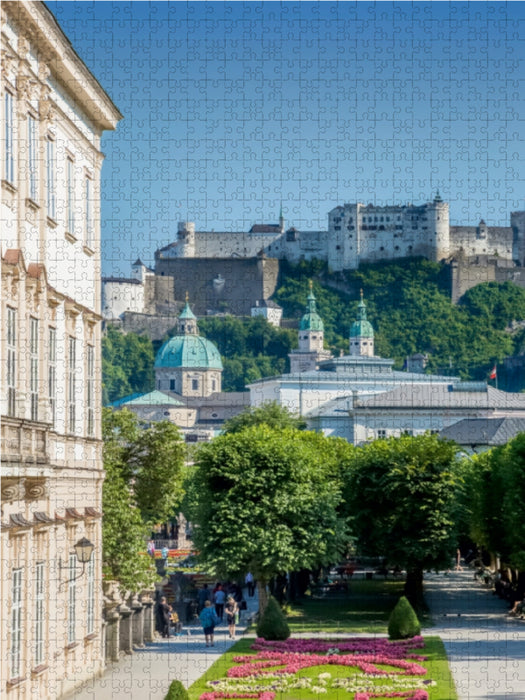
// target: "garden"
[[357, 668]]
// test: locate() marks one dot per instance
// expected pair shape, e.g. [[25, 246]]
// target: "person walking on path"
[[231, 608], [209, 620], [249, 581], [219, 599], [203, 595], [163, 617]]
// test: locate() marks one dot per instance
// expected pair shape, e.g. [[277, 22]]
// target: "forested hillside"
[[407, 304]]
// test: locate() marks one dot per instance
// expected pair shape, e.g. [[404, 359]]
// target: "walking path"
[[485, 647], [147, 674]]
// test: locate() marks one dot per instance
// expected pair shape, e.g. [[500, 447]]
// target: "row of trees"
[[269, 497]]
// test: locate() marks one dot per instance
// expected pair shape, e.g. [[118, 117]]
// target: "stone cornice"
[[37, 24]]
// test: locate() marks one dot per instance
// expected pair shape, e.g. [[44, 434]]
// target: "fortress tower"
[[439, 228], [186, 239], [517, 222]]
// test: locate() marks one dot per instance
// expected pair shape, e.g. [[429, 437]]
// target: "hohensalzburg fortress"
[[359, 233]]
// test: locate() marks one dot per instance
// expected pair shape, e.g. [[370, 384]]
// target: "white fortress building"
[[359, 233], [53, 115]]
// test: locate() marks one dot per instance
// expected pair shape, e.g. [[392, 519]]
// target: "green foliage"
[[403, 622], [270, 413], [142, 486], [265, 500], [497, 490], [272, 624], [127, 364], [177, 692], [401, 496], [409, 306]]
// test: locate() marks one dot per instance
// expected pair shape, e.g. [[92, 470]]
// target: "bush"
[[177, 692], [272, 624], [403, 622]]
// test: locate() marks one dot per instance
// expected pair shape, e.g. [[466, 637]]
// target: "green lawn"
[[366, 607], [436, 666]]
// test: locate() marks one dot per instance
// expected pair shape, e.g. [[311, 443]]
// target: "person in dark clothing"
[[163, 617]]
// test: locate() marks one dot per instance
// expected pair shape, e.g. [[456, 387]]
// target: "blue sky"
[[231, 108]]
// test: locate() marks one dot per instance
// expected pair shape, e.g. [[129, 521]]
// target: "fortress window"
[[166, 413], [172, 385], [350, 220], [410, 247], [338, 247], [396, 247], [337, 228], [382, 248]]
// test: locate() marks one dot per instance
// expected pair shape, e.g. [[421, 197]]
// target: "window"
[[89, 238], [72, 384], [194, 384], [408, 432], [70, 193], [9, 163], [52, 374], [32, 157], [16, 623], [51, 180], [90, 628], [172, 385], [33, 362], [213, 385], [72, 600], [11, 362], [90, 390], [39, 612]]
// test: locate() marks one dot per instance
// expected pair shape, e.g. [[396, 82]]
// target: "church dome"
[[311, 321], [361, 327], [190, 351]]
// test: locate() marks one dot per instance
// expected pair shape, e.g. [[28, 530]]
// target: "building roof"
[[361, 327], [467, 395], [121, 280], [188, 351], [266, 303], [187, 313], [152, 398], [484, 431], [266, 228]]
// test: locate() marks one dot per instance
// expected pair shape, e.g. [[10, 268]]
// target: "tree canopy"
[[266, 501], [143, 486], [127, 364], [400, 494], [270, 413]]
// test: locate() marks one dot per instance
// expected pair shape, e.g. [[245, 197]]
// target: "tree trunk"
[[263, 596], [414, 588]]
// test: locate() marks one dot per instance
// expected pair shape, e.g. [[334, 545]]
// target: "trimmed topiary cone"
[[177, 692], [403, 622], [272, 624]]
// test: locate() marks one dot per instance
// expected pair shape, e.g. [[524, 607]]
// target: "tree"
[[143, 486], [265, 501], [269, 413], [401, 496], [127, 364]]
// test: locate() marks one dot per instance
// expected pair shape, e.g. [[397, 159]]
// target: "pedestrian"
[[163, 617], [203, 595], [164, 553], [231, 609], [209, 620], [219, 599], [249, 581], [151, 549]]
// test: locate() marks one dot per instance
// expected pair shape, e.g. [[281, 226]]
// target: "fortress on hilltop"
[[234, 272]]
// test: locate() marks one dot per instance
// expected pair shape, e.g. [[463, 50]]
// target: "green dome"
[[311, 321], [190, 351], [361, 327]]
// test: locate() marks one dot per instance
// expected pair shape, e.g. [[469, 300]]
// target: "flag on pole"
[[493, 374]]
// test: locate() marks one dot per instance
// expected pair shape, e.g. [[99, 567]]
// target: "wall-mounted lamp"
[[83, 550]]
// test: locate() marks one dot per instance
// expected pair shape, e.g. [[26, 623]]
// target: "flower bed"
[[364, 668]]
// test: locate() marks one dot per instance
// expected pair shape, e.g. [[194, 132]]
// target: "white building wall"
[[50, 273], [121, 296]]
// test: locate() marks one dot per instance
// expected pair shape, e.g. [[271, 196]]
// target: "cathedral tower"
[[362, 333], [311, 340]]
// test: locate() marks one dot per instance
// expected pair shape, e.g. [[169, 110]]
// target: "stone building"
[[54, 113]]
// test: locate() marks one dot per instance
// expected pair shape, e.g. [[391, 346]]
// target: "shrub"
[[403, 622], [177, 692], [272, 624]]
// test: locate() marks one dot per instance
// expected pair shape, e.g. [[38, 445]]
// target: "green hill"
[[407, 303]]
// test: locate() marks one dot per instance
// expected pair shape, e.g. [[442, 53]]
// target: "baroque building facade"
[[54, 112]]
